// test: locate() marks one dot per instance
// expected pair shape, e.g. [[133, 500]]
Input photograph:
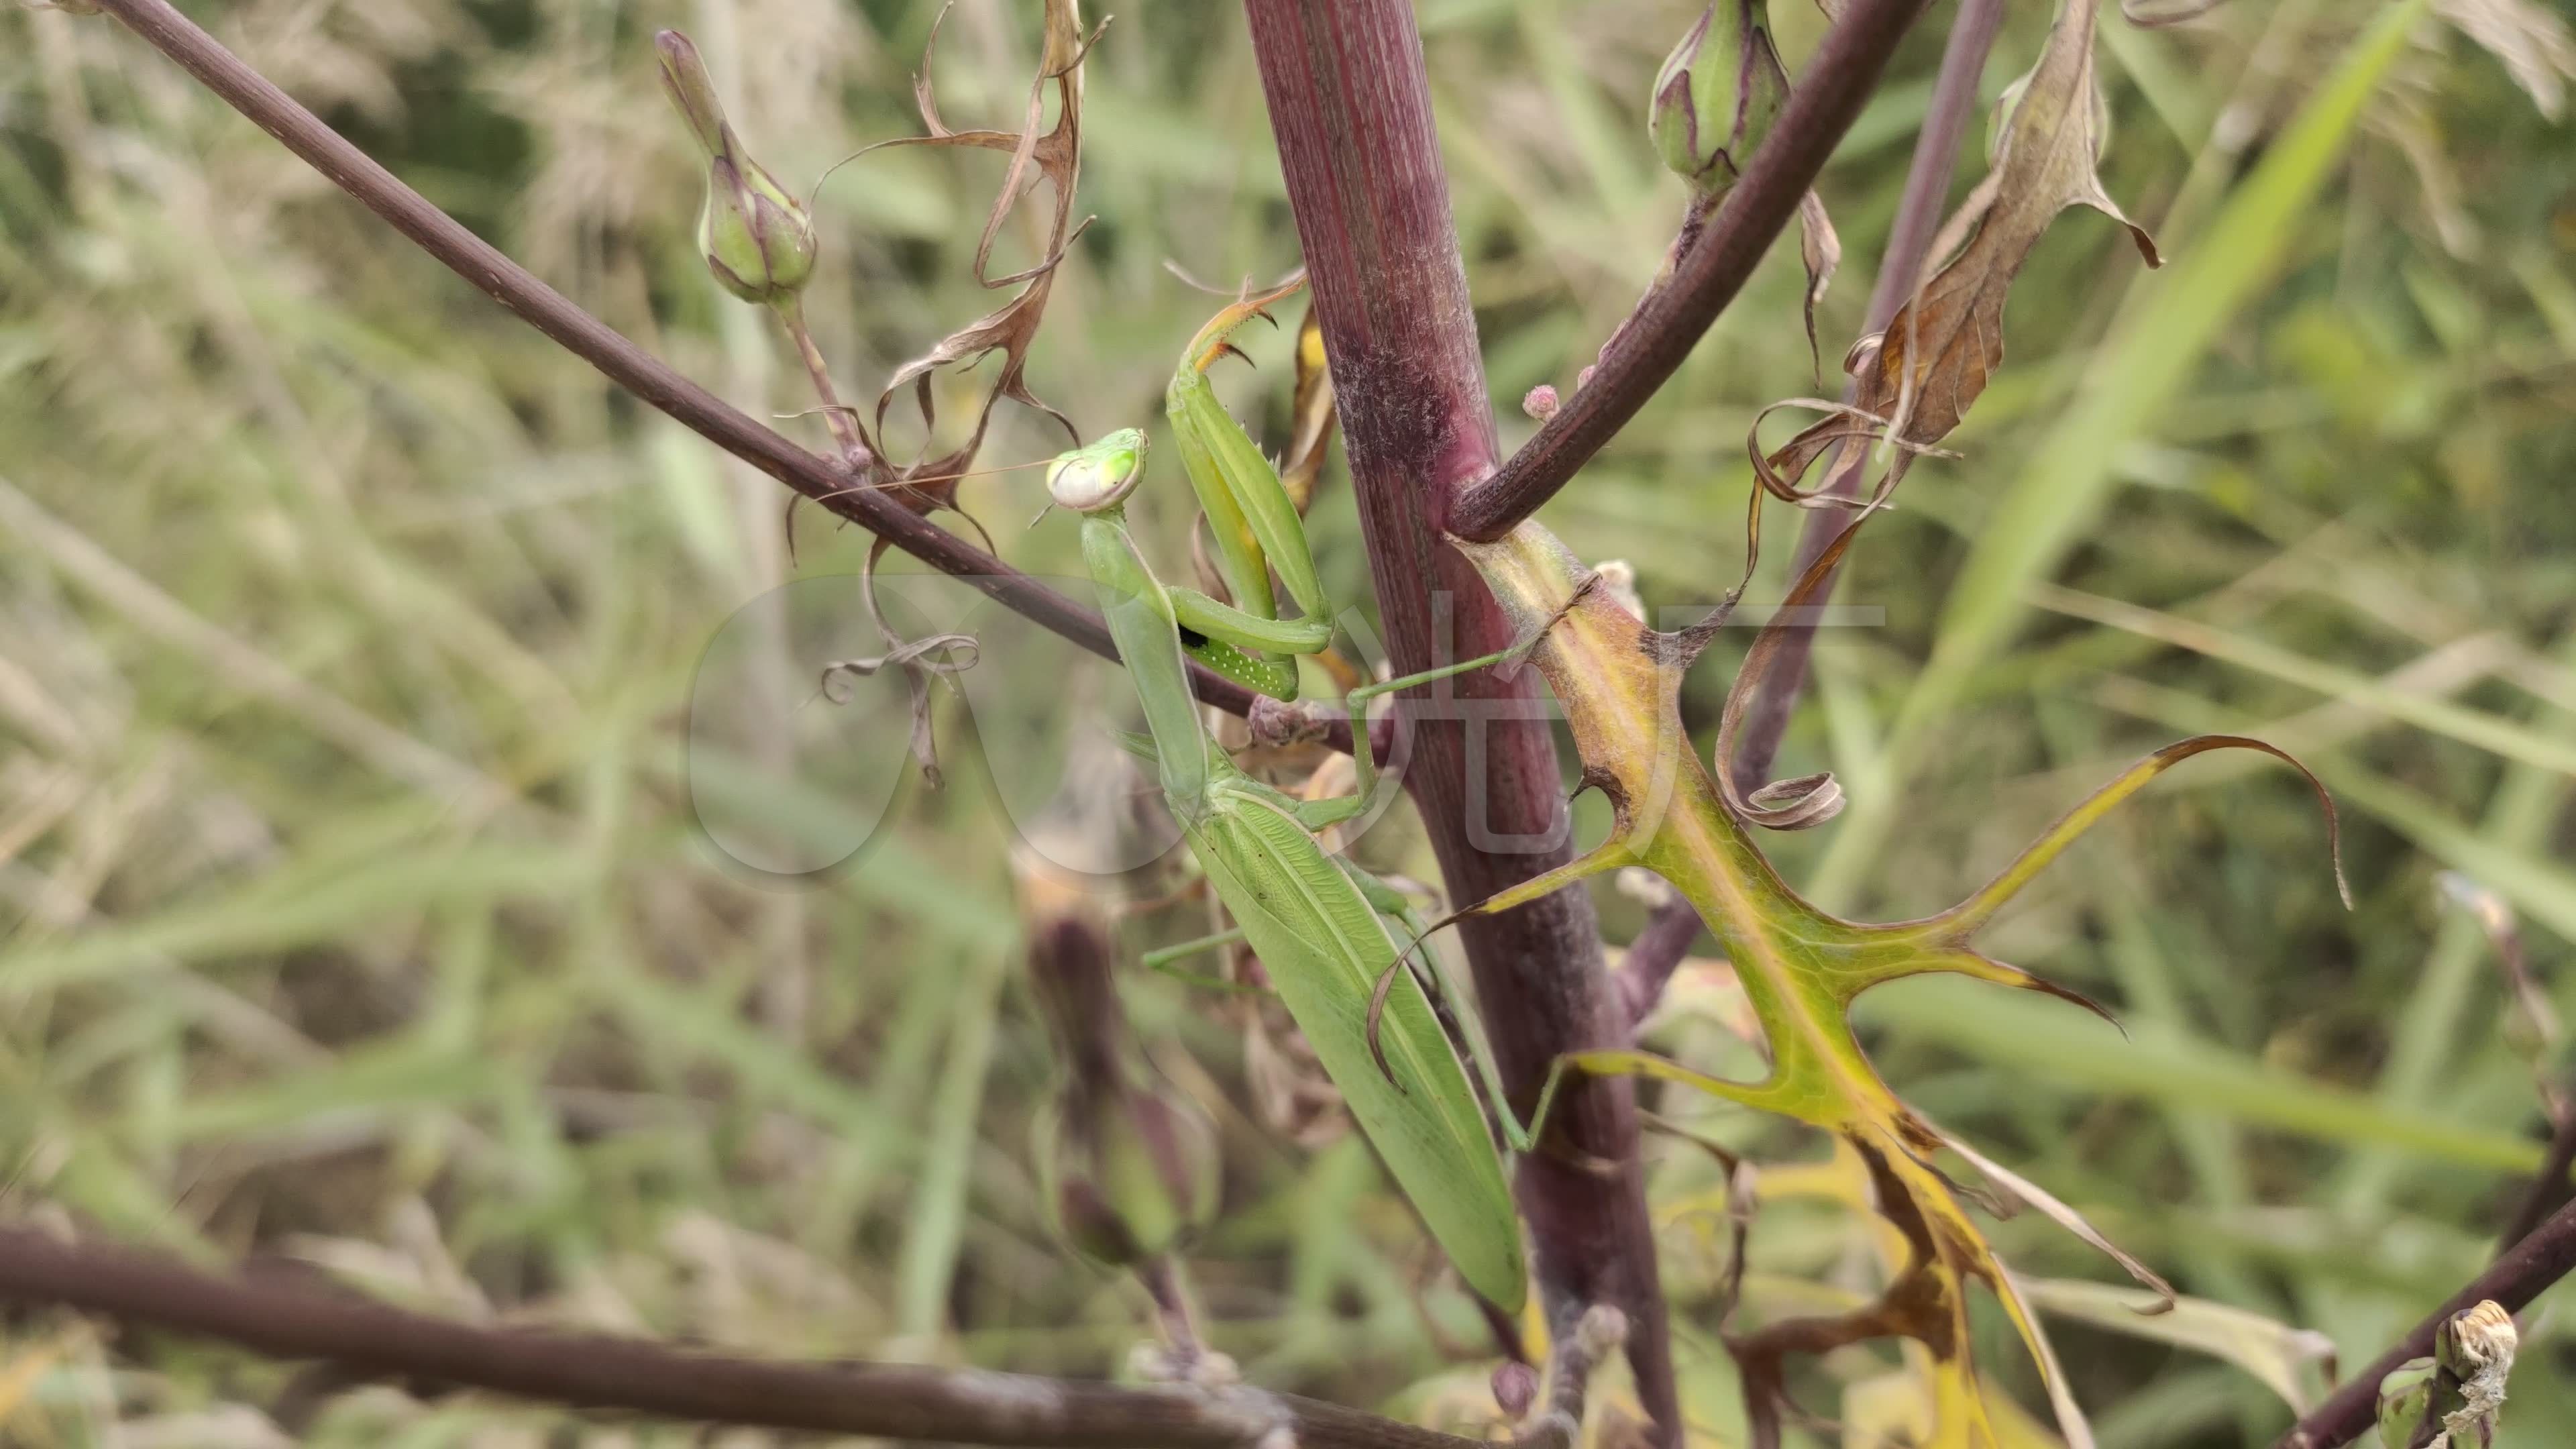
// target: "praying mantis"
[[1320, 925]]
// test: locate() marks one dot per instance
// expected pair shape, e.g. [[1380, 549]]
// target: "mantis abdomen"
[[1324, 948]]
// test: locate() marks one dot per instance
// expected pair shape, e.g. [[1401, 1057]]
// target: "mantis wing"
[[1324, 948]]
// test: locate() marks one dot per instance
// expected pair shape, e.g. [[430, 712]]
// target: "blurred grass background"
[[355, 905]]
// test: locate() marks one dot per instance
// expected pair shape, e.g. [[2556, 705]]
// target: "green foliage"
[[356, 906]]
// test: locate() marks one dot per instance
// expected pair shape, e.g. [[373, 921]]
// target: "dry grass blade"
[[364, 736], [2495, 917], [2270, 1350], [2031, 1193], [2533, 43], [2173, 12]]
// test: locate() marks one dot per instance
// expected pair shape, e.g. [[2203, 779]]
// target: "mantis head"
[[1100, 475]]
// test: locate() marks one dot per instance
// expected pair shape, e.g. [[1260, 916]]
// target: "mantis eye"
[[1087, 480]]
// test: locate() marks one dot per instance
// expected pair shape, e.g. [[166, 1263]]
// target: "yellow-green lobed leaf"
[[1800, 967]]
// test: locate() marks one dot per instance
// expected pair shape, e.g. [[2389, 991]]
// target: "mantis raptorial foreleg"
[[1160, 962]]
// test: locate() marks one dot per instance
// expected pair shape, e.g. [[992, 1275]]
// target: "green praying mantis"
[[1322, 927]]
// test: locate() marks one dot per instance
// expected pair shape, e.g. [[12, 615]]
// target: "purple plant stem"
[[1351, 109], [1650, 346], [616, 356], [2518, 1275], [1653, 956], [2548, 1191], [624, 1376], [1918, 220]]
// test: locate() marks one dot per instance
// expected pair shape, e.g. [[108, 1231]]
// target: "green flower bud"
[[1717, 95], [1129, 1164], [2404, 1396], [756, 236]]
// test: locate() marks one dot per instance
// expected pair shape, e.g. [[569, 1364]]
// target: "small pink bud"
[[1515, 1389], [1540, 402], [1583, 379]]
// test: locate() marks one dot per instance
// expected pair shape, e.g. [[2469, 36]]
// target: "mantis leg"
[[1391, 903], [1255, 523], [1318, 815], [1200, 614], [1247, 648], [1251, 518], [1161, 961], [1523, 1137], [1609, 855]]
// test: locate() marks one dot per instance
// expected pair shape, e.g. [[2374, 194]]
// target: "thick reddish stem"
[[1352, 112]]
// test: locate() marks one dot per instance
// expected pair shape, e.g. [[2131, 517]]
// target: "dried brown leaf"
[[1821, 249], [1011, 329], [1311, 416], [1936, 355], [920, 660]]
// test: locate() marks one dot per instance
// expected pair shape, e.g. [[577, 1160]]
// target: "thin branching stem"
[[1670, 320], [1909, 239], [1659, 948], [844, 424], [2548, 1191], [621, 1375], [616, 356], [2522, 1273], [1654, 955]]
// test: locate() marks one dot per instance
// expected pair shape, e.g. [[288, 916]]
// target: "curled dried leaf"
[[1810, 800], [1312, 416], [1937, 353], [1055, 155], [921, 660], [1857, 425]]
